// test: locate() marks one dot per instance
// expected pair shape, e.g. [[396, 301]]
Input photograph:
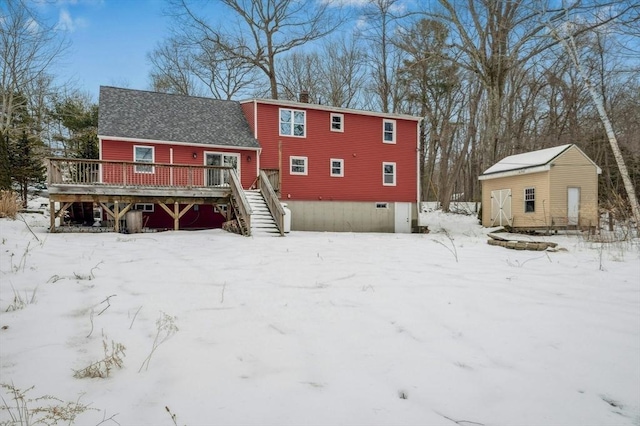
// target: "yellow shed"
[[550, 188]]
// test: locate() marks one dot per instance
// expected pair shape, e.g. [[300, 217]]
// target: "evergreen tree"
[[5, 166], [26, 167], [79, 121]]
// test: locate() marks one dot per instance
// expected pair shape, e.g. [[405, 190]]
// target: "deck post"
[[176, 216], [52, 216], [116, 215]]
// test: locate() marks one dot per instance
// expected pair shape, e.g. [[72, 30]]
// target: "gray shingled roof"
[[138, 114]]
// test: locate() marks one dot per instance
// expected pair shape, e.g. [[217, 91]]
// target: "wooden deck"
[[118, 185]]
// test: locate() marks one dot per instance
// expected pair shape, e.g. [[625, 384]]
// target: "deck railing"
[[244, 210], [273, 175], [273, 203], [73, 171]]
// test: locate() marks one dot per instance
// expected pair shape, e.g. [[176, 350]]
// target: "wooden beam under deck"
[[176, 214], [128, 197]]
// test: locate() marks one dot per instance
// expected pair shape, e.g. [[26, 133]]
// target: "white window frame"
[[292, 131], [220, 175], [385, 131], [305, 165], [331, 167], [340, 122], [384, 174], [145, 207], [142, 168], [530, 196]]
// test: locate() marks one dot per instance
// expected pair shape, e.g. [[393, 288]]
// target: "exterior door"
[[501, 207], [220, 177], [573, 206], [403, 218]]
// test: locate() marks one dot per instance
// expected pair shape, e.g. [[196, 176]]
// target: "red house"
[[339, 169], [178, 159]]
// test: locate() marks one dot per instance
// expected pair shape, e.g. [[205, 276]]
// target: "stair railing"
[[273, 203], [244, 210]]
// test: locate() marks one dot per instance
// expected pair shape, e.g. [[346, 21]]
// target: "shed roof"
[[530, 162], [526, 160], [138, 114]]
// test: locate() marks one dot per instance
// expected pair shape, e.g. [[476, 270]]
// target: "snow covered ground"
[[322, 328]]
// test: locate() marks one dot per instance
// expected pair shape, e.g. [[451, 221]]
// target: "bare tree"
[[343, 72], [382, 20], [224, 76], [263, 29], [298, 74], [431, 81], [172, 67], [564, 30], [28, 47]]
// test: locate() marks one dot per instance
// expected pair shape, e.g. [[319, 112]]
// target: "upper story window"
[[293, 122], [389, 131], [337, 122], [298, 165], [389, 174], [337, 167], [143, 154], [529, 200]]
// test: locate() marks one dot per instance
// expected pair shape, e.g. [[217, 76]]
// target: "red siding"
[[248, 109], [360, 146], [182, 154], [204, 217]]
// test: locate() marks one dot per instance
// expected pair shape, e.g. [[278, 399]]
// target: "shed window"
[[529, 200]]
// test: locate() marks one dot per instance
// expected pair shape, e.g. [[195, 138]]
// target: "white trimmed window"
[[337, 167], [145, 207], [293, 122], [389, 174], [389, 131], [143, 154], [337, 122], [298, 165], [529, 200]]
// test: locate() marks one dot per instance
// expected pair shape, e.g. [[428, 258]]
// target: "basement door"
[[501, 207], [220, 177], [403, 218], [573, 206]]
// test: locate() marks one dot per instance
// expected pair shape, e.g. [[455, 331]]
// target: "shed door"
[[501, 207], [573, 206]]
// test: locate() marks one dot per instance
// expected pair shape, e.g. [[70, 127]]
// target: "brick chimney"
[[304, 97]]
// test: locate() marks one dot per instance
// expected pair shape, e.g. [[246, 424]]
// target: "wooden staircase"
[[262, 222]]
